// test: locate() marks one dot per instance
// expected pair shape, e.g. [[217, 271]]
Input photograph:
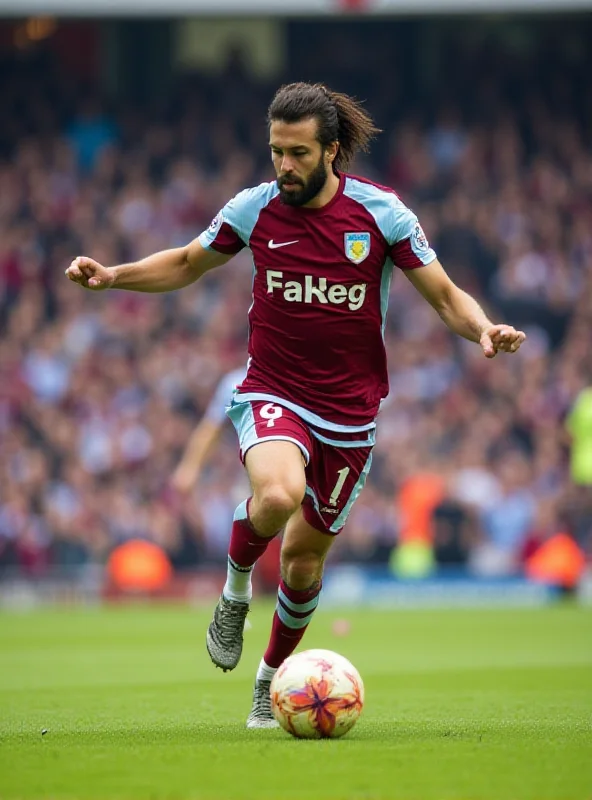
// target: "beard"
[[308, 190]]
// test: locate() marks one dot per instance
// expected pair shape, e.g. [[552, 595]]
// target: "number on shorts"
[[343, 473], [271, 412]]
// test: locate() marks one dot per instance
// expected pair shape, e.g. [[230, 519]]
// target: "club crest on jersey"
[[357, 246]]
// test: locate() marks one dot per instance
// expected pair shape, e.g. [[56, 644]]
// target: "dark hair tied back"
[[340, 117]]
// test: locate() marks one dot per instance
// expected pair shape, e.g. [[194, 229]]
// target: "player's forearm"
[[463, 315], [160, 272], [200, 445]]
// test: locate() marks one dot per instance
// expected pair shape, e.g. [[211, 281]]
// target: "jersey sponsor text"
[[316, 289]]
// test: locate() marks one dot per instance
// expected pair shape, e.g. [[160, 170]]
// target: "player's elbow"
[[445, 300], [191, 261]]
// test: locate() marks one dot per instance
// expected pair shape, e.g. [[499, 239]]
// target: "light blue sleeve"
[[396, 222], [240, 214], [406, 230]]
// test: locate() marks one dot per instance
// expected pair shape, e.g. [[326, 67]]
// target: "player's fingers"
[[501, 334], [87, 269], [85, 261], [86, 266], [487, 346], [517, 341], [74, 273], [511, 342], [89, 273], [508, 339]]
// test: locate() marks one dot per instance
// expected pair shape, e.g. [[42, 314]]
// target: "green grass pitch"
[[470, 705]]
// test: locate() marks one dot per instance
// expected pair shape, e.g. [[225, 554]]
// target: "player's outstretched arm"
[[462, 313], [160, 272]]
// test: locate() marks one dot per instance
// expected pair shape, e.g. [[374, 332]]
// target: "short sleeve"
[[231, 229], [221, 236], [409, 247]]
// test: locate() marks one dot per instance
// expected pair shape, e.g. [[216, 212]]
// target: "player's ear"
[[331, 152]]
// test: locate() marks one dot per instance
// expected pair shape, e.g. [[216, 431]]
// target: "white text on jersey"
[[316, 289]]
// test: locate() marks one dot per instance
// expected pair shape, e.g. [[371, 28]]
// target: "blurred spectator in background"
[[89, 134]]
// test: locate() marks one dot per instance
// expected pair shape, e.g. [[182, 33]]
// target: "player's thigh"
[[272, 464], [275, 445]]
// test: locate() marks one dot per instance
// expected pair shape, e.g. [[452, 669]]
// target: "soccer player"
[[206, 433], [324, 244]]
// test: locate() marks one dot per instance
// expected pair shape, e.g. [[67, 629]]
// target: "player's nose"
[[287, 166]]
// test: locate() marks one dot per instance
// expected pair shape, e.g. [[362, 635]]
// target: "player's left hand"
[[502, 338]]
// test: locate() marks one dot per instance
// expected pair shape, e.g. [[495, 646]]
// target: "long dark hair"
[[340, 117]]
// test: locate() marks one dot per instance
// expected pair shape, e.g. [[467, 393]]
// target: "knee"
[[278, 502], [301, 568]]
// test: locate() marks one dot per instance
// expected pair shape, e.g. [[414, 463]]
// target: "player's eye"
[[295, 153]]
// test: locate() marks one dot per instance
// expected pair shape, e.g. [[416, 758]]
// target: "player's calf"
[[301, 569]]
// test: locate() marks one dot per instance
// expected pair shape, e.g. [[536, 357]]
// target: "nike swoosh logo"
[[274, 245]]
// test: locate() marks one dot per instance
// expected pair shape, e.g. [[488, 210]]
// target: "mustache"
[[289, 179]]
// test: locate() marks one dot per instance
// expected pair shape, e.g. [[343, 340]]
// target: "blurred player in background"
[[324, 244], [206, 433]]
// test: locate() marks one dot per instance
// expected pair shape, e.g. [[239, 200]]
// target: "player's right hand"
[[90, 274]]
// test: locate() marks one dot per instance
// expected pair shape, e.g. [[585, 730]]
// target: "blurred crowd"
[[99, 392]]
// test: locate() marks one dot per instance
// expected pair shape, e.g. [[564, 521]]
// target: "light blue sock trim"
[[299, 607], [290, 621], [241, 512]]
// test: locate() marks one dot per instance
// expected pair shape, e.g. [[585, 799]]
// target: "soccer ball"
[[317, 694]]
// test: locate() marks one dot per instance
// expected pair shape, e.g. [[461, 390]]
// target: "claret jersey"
[[320, 295]]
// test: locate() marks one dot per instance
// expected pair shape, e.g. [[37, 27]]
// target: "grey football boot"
[[224, 639], [261, 715]]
